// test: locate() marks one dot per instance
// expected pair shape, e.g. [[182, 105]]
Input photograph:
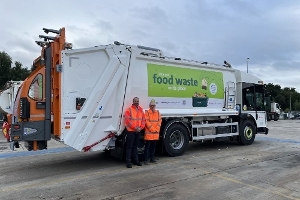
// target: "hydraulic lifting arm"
[[39, 100]]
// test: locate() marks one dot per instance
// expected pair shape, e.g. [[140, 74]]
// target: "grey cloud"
[[26, 44], [77, 30], [85, 42], [25, 57], [203, 11], [22, 49], [153, 15], [282, 66], [241, 8], [204, 30], [138, 35], [104, 25]]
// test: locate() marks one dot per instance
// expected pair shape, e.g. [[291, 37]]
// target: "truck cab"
[[272, 109]]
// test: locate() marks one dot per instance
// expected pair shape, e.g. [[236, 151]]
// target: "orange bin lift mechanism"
[[57, 46], [39, 114]]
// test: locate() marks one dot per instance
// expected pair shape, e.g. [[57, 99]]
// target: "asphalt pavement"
[[267, 169]]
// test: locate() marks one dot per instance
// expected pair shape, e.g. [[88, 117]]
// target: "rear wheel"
[[268, 117], [247, 132], [176, 139], [141, 148], [276, 117]]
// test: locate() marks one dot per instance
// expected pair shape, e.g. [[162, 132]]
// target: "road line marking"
[[278, 140]]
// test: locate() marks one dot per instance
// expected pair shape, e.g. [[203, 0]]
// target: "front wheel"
[[247, 133], [176, 139]]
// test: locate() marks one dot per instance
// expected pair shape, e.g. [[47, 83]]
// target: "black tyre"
[[176, 139], [17, 145], [276, 117], [141, 149], [268, 117], [247, 132]]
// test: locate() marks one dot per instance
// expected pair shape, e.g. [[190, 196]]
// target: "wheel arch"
[[247, 116], [169, 122]]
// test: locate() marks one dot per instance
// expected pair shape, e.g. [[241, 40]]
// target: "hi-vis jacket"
[[5, 129], [134, 117], [153, 123]]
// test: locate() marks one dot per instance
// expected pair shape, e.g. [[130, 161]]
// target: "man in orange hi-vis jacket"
[[152, 128], [135, 123], [5, 128]]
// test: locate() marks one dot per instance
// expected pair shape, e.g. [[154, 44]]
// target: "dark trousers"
[[149, 149], [131, 148]]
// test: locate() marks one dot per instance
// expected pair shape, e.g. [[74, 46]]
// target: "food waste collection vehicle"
[[82, 96]]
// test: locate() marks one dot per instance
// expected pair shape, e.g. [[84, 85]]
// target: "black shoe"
[[129, 165], [145, 162], [153, 161], [137, 163], [17, 145]]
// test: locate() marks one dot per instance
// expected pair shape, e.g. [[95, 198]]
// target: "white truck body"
[[107, 78], [8, 96], [275, 108]]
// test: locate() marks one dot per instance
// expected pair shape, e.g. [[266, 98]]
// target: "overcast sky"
[[267, 32]]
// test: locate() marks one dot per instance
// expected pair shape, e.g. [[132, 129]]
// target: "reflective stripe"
[[151, 133], [128, 125]]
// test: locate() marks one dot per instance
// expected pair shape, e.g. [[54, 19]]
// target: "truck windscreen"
[[253, 97]]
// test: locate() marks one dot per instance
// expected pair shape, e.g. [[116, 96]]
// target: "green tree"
[[33, 67], [273, 90], [18, 73], [7, 72], [280, 99], [5, 66], [297, 105]]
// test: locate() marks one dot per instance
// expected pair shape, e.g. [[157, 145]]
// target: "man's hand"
[[138, 129]]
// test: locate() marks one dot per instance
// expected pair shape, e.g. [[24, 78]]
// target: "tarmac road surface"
[[267, 169]]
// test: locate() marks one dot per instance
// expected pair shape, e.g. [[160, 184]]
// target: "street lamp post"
[[290, 101], [247, 64], [291, 88]]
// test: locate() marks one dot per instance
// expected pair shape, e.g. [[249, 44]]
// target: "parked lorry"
[[79, 97], [272, 109]]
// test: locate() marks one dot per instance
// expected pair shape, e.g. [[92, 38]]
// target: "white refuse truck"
[[198, 101], [8, 95], [7, 100], [272, 109]]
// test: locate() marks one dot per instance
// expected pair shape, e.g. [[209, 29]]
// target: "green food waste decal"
[[167, 81]]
